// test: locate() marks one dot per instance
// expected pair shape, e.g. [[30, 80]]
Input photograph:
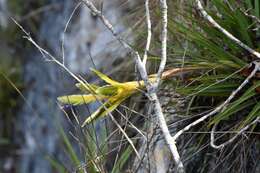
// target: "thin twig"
[[251, 16], [131, 124], [220, 107], [164, 11], [149, 31], [53, 59], [65, 30], [229, 35], [157, 106], [124, 133], [110, 27], [212, 138]]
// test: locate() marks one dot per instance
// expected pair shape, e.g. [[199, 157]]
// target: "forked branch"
[[151, 87]]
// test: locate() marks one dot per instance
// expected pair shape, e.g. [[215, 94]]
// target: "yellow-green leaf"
[[87, 88], [105, 78], [102, 111], [78, 99], [107, 90]]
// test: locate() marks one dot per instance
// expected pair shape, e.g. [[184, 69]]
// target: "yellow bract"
[[79, 99], [112, 94]]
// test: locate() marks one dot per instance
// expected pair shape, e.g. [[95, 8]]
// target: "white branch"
[[151, 88], [229, 35], [110, 27], [257, 20], [220, 107], [149, 31], [164, 11], [224, 104], [165, 130], [212, 138]]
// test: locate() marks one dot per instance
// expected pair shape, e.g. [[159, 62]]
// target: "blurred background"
[[31, 121], [37, 135]]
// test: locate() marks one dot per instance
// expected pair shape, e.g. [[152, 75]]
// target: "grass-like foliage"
[[227, 64], [219, 66]]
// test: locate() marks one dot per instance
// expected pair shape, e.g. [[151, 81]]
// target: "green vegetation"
[[10, 76], [194, 42], [93, 149], [227, 63], [220, 67]]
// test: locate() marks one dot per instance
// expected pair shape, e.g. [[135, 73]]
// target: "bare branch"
[[158, 109], [110, 27], [142, 70], [220, 107], [164, 11], [65, 30], [149, 31], [224, 104], [212, 138], [229, 35], [165, 130], [53, 59]]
